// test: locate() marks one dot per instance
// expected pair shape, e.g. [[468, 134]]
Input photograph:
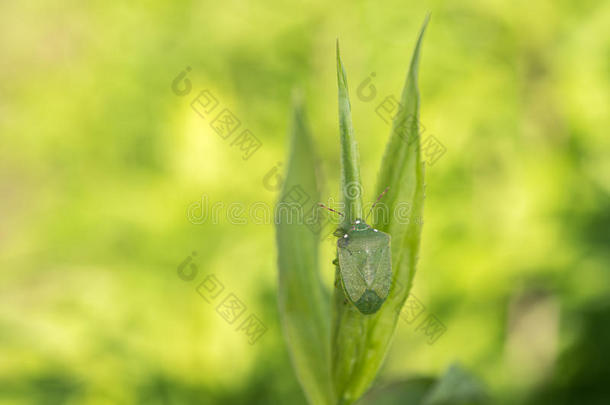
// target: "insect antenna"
[[376, 201], [330, 209]]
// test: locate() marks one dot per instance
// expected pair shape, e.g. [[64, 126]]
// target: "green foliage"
[[455, 387], [359, 342], [303, 301], [100, 161], [351, 185]]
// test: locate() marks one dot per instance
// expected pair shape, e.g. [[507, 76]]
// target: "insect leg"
[[330, 209], [376, 201]]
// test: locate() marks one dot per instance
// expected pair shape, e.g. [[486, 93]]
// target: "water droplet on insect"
[[345, 236]]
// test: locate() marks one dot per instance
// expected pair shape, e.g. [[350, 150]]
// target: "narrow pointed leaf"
[[457, 386], [360, 342], [351, 187], [303, 301]]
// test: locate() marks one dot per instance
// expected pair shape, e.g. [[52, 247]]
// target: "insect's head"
[[360, 225]]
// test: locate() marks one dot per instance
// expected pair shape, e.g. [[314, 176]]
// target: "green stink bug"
[[365, 265]]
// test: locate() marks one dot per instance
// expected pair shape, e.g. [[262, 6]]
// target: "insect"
[[365, 264]]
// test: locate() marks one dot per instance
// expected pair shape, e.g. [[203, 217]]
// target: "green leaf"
[[303, 301], [351, 186], [405, 392], [457, 387], [360, 342]]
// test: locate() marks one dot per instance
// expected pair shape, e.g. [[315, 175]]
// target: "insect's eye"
[[339, 232]]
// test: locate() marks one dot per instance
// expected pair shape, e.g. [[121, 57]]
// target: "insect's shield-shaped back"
[[365, 268]]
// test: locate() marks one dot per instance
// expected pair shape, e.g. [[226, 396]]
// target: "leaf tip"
[[424, 26], [338, 52]]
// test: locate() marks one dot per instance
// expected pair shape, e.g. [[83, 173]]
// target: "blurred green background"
[[100, 161]]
